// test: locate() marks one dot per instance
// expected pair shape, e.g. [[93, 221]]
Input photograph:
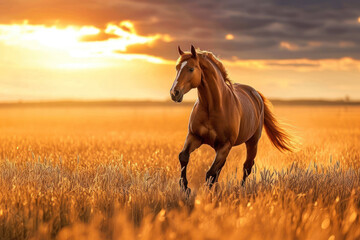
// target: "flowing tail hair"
[[277, 135]]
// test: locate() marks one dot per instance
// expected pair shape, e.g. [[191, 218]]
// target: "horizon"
[[169, 102], [345, 99]]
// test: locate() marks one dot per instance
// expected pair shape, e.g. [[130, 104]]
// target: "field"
[[112, 173]]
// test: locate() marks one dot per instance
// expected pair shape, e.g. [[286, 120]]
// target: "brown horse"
[[224, 115]]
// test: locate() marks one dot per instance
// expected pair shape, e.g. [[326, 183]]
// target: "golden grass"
[[96, 173]]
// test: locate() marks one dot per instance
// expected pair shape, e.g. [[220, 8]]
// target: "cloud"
[[289, 46], [259, 27], [84, 42], [300, 65]]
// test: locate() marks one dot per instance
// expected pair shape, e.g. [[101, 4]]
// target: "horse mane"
[[217, 62]]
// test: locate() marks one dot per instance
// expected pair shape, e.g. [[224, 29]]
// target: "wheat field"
[[112, 173]]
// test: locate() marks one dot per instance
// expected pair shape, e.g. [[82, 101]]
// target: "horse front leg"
[[191, 143], [221, 154]]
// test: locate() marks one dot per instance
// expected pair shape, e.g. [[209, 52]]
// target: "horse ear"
[[193, 51], [180, 51]]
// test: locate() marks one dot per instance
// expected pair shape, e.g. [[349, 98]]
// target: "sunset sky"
[[56, 50]]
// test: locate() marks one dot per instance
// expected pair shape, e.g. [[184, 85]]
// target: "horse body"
[[225, 114], [235, 119]]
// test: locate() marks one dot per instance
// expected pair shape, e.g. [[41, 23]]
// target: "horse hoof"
[[188, 191], [183, 185], [243, 183]]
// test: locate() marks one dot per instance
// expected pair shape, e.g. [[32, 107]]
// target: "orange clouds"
[[289, 46], [117, 41], [301, 65], [83, 42]]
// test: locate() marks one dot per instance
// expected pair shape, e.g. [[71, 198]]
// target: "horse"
[[225, 114]]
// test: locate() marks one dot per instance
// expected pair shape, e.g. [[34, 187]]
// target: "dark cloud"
[[258, 26], [167, 50]]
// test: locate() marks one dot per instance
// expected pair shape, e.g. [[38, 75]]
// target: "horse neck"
[[212, 86]]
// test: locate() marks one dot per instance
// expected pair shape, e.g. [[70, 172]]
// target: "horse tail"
[[277, 135]]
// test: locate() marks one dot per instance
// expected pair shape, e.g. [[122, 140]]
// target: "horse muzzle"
[[176, 96]]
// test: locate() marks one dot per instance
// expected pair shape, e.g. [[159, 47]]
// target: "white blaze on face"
[[183, 64]]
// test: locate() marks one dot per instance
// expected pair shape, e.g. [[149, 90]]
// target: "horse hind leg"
[[251, 149]]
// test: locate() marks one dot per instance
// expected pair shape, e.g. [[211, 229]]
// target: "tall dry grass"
[[95, 173]]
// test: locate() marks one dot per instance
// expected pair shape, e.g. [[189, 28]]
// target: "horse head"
[[188, 74]]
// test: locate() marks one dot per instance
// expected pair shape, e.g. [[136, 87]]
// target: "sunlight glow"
[[126, 32], [229, 37], [70, 40]]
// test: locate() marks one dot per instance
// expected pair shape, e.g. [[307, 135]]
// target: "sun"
[[26, 34], [80, 41]]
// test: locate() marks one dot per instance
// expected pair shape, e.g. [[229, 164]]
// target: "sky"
[[107, 49]]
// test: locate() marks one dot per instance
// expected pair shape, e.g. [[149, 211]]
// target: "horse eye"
[[191, 69]]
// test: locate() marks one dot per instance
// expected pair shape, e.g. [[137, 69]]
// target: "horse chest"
[[206, 131]]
